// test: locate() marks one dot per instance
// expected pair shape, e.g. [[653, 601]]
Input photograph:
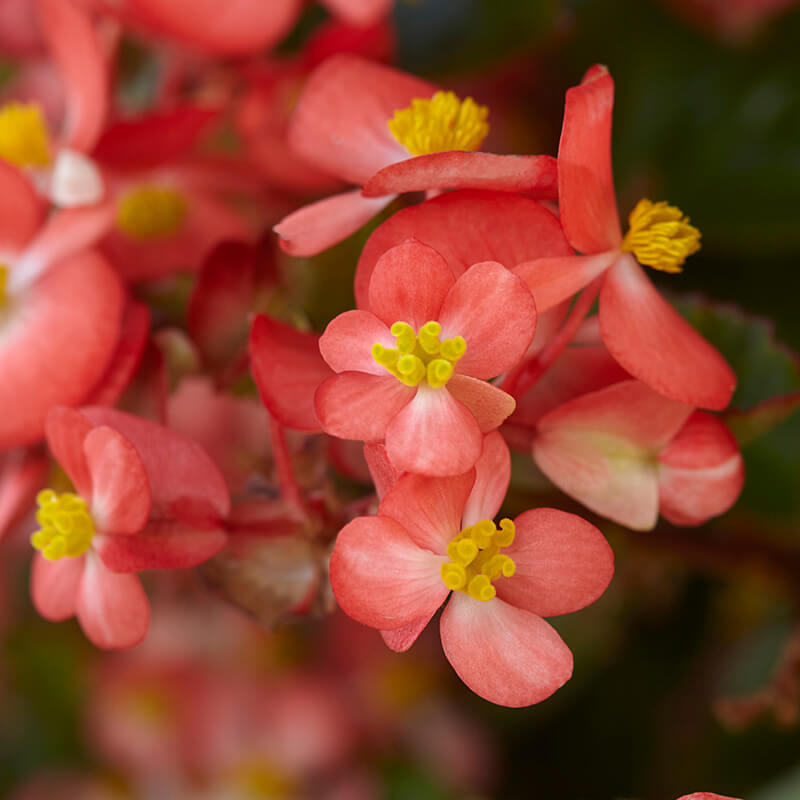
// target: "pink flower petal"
[[434, 435], [76, 49], [401, 639], [553, 280], [75, 180], [701, 472], [706, 796], [492, 476], [22, 474], [489, 405], [56, 343], [112, 608], [656, 345], [120, 494], [506, 655], [54, 586], [429, 509], [359, 12], [340, 124], [21, 210], [563, 563], [355, 405], [287, 368], [347, 342], [381, 470], [466, 227], [409, 284], [162, 544], [585, 182], [66, 431], [534, 175], [494, 311], [318, 226], [381, 578], [244, 27]]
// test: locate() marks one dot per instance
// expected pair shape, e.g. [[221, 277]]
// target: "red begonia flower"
[[707, 796], [146, 498], [412, 370], [627, 452], [492, 628], [383, 129], [643, 332]]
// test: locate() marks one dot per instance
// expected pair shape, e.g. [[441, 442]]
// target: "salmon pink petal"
[[359, 12], [112, 608], [153, 139], [381, 578], [563, 563], [181, 475], [429, 509], [243, 28], [506, 655], [22, 474], [585, 182], [316, 227], [54, 586], [381, 470], [57, 343], [706, 796], [455, 169], [341, 123], [554, 280], [466, 227], [163, 544], [494, 311], [489, 405], [409, 284], [434, 435], [120, 494], [656, 344], [701, 471], [287, 368], [21, 210], [347, 342], [81, 60], [492, 476], [401, 639], [355, 405], [66, 430]]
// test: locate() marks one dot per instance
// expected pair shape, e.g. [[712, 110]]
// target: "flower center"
[[420, 356], [24, 141], [660, 236], [151, 212], [476, 560], [67, 528], [440, 123]]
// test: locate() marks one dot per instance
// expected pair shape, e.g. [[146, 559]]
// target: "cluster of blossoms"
[[505, 309]]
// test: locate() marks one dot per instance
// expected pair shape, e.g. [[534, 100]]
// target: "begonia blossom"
[[434, 537]]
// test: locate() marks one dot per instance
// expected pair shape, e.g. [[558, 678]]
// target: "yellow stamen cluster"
[[440, 123], [151, 212], [660, 236], [24, 141], [476, 560], [3, 282], [420, 356], [67, 529]]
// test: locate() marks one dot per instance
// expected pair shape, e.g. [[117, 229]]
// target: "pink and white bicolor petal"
[[381, 578], [489, 405], [54, 586], [505, 654], [492, 476]]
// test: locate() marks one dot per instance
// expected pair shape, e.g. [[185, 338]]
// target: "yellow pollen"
[[660, 236], [3, 281], [476, 560], [67, 529], [151, 212], [420, 356], [439, 124], [24, 140]]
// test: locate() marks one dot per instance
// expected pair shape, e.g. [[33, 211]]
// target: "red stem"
[[287, 480]]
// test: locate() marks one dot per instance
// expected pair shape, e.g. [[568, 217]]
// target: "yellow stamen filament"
[[420, 356], [660, 236], [24, 140], [67, 529], [151, 212], [440, 123], [476, 560]]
